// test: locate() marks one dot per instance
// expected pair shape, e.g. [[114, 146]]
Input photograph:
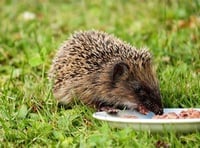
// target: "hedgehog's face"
[[139, 90], [147, 96]]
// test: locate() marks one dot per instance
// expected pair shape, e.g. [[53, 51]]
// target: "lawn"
[[31, 32]]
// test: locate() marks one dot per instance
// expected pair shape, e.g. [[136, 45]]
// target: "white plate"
[[146, 123]]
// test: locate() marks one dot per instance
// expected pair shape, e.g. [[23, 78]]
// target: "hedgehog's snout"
[[156, 109], [151, 106], [159, 111]]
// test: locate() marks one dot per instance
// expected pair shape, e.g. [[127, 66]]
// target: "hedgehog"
[[102, 71]]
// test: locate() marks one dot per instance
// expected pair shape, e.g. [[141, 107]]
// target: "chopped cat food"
[[170, 115], [190, 113], [130, 116], [186, 114]]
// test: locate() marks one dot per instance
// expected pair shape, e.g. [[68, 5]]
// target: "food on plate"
[[130, 116], [190, 113], [185, 114], [170, 115]]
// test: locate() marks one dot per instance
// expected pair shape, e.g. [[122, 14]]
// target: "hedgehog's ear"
[[118, 70]]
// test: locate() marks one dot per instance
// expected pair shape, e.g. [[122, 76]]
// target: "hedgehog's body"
[[102, 70]]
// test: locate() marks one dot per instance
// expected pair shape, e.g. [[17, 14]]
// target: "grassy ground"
[[32, 30]]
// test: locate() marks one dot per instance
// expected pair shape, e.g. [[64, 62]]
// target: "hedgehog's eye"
[[138, 89]]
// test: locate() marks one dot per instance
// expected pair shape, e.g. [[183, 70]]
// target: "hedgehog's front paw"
[[109, 110]]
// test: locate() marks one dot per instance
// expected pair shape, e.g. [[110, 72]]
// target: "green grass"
[[29, 116]]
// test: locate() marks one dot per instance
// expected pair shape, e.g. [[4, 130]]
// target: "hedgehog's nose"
[[159, 112]]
